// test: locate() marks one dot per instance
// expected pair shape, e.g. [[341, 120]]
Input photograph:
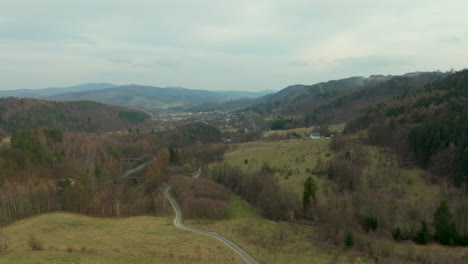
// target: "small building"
[[315, 135]]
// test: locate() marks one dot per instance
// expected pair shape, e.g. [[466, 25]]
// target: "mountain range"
[[134, 96]]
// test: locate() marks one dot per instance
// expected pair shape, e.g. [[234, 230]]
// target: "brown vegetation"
[[260, 189], [200, 198], [34, 243]]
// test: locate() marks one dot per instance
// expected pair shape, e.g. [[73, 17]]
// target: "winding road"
[[177, 222]]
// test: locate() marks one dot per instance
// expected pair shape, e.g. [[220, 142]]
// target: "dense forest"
[[50, 169], [338, 100], [429, 124], [17, 113]]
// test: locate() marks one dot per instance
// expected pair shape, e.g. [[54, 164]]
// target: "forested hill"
[[88, 116], [429, 124], [155, 98], [338, 101]]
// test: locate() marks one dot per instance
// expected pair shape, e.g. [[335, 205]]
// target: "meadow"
[[73, 238], [274, 242]]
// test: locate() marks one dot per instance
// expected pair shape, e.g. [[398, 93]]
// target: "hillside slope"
[[17, 113], [338, 101], [430, 124], [73, 238]]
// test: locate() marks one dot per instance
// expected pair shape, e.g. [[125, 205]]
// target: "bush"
[[422, 237], [34, 243], [201, 198], [372, 223], [349, 239], [3, 243], [260, 189], [444, 224], [86, 250], [397, 234]]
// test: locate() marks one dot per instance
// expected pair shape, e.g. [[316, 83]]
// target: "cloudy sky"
[[224, 44]]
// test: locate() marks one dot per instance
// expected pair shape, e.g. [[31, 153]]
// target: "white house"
[[315, 135]]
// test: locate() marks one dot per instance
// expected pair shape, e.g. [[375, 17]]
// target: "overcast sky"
[[223, 44]]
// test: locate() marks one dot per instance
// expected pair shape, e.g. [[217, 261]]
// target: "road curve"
[[177, 222]]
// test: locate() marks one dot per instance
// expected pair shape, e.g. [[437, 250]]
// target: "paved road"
[[177, 222]]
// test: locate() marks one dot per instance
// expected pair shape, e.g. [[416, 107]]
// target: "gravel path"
[[178, 223]]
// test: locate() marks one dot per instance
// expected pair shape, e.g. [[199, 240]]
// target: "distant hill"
[[39, 93], [152, 98], [245, 95], [88, 116]]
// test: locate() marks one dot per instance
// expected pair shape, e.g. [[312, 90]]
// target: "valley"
[[255, 132], [384, 182]]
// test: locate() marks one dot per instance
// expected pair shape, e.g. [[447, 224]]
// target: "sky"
[[247, 45]]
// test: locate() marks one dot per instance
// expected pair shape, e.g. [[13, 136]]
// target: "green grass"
[[5, 142], [403, 186], [141, 239], [286, 155], [303, 131], [238, 209]]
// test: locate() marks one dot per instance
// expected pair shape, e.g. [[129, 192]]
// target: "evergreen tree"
[[349, 239], [309, 192], [444, 224], [174, 157], [422, 237]]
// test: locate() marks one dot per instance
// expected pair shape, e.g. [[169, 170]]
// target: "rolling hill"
[[428, 124], [135, 96], [88, 116], [338, 101], [152, 98]]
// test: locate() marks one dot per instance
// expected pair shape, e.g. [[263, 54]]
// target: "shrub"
[[34, 243], [349, 239], [85, 250], [201, 198], [397, 234], [371, 223], [444, 224], [422, 237], [3, 243]]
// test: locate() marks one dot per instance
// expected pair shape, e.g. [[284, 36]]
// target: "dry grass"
[[292, 157], [271, 242], [5, 141], [303, 131], [71, 238], [407, 185]]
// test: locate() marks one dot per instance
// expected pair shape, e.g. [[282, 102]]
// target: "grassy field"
[[98, 240], [292, 159], [382, 173], [5, 141], [271, 242], [303, 131]]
